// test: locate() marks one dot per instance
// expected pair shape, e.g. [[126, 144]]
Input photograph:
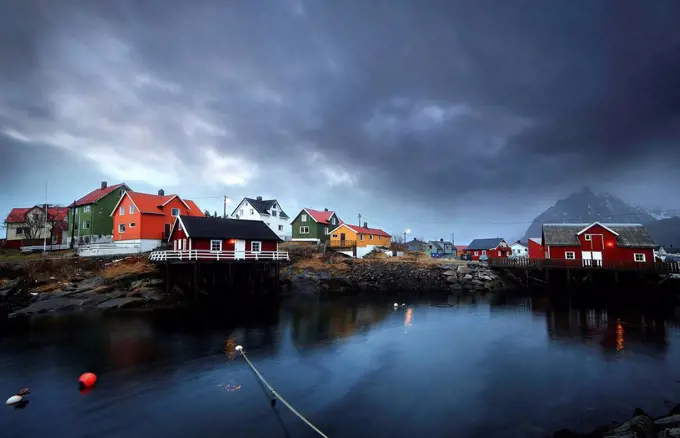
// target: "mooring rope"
[[276, 394]]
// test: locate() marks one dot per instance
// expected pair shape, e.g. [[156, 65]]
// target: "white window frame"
[[370, 237], [132, 209], [121, 211], [642, 255], [86, 209], [172, 212], [304, 229], [252, 212], [303, 218], [259, 246], [476, 252], [121, 228], [240, 212], [567, 253], [327, 231], [211, 245], [588, 237], [483, 252], [133, 224], [83, 227], [500, 253], [361, 237], [333, 220], [280, 227]]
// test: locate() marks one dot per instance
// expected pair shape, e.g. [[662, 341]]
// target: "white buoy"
[[238, 348], [403, 305], [13, 400], [396, 304]]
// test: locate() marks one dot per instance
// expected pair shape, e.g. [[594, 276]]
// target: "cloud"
[[460, 105]]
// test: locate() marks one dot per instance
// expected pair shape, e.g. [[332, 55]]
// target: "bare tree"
[[206, 213], [36, 222]]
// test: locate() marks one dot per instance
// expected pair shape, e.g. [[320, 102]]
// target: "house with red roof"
[[30, 227], [141, 221], [314, 225], [90, 218], [362, 239]]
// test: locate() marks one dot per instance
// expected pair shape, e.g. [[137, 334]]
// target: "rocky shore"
[[354, 275], [95, 284], [640, 426]]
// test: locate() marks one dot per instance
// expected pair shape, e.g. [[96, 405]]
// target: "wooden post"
[[167, 278], [568, 276], [547, 276], [195, 285], [526, 273]]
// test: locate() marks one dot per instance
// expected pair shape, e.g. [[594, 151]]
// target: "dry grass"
[[131, 265], [50, 287], [322, 262]]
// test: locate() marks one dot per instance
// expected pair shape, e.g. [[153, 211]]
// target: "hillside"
[[665, 232], [587, 206]]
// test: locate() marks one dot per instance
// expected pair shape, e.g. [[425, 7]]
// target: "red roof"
[[18, 215], [148, 203], [322, 217], [96, 195], [362, 230]]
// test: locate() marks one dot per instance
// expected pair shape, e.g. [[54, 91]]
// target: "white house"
[[519, 250], [268, 210]]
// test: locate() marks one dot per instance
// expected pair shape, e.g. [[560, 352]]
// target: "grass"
[[127, 266], [322, 262], [15, 255]]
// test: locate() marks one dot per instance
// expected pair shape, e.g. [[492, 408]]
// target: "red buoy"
[[87, 380]]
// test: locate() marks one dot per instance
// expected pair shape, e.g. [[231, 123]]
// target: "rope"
[[277, 395]]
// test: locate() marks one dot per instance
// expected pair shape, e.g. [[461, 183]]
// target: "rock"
[[304, 285], [119, 303], [11, 288], [50, 305], [463, 269], [640, 426], [668, 422], [449, 273], [452, 279], [467, 277], [670, 433]]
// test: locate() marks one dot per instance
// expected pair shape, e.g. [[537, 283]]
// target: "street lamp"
[[406, 231]]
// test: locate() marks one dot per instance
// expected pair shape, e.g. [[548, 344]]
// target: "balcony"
[[335, 243], [217, 256]]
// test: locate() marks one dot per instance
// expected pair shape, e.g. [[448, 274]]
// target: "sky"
[[464, 118]]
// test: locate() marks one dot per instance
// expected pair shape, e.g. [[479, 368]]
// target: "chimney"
[[325, 209], [365, 224], [104, 185], [161, 192], [441, 240], [259, 198]]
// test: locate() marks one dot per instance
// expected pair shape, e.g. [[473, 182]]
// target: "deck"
[[562, 264], [217, 256]]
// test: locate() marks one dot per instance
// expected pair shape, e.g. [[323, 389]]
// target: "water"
[[521, 369]]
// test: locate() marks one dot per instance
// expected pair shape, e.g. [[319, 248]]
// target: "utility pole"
[[45, 226], [225, 207], [359, 219], [73, 224]]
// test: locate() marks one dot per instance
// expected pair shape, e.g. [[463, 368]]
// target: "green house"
[[314, 225], [89, 218]]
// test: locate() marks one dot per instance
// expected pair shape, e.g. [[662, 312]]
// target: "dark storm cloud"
[[397, 98]]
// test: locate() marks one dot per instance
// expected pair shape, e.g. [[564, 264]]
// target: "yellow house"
[[352, 235]]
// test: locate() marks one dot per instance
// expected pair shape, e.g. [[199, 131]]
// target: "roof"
[[488, 243], [220, 228], [263, 205], [98, 194], [18, 215], [461, 247], [538, 240], [322, 217], [627, 235], [518, 244], [147, 203], [363, 230]]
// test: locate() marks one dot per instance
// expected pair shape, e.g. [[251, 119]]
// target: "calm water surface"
[[521, 369]]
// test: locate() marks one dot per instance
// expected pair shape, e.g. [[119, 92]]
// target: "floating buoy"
[[13, 400], [396, 304], [24, 391], [403, 304], [87, 380], [238, 348]]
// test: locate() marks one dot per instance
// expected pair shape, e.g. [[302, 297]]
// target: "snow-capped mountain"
[[586, 206]]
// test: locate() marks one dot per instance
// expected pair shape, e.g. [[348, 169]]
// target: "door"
[[240, 249], [166, 231], [342, 239], [597, 258], [587, 258]]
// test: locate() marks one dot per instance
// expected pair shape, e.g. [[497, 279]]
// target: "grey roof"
[[436, 244], [263, 205], [629, 235], [489, 243], [198, 227]]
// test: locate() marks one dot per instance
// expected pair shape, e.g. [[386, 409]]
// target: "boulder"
[[668, 422], [119, 303], [640, 426], [450, 273], [467, 277], [452, 279], [463, 269], [305, 285]]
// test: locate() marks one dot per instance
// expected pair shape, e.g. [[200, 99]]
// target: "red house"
[[493, 248], [238, 239], [536, 248], [597, 243]]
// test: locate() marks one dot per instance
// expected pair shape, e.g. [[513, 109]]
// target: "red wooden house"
[[493, 248], [598, 243], [144, 219], [233, 238], [536, 248]]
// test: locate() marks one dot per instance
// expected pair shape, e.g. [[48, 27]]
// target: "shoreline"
[[640, 425]]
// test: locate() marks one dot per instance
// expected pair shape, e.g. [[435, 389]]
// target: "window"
[[86, 225], [216, 245], [133, 224], [121, 211], [20, 231], [304, 230], [175, 211], [274, 213], [252, 211], [639, 257], [256, 246], [361, 237], [483, 252], [240, 212], [570, 255], [304, 218], [54, 240], [121, 228], [274, 206], [335, 236], [587, 237], [132, 209], [370, 237], [476, 253], [333, 220], [280, 227], [500, 254], [86, 209], [179, 226], [327, 231]]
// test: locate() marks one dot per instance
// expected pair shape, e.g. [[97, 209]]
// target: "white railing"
[[204, 254], [49, 247]]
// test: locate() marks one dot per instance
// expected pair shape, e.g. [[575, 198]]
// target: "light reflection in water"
[[407, 319], [619, 337]]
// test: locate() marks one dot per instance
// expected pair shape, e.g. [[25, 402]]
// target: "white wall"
[[279, 225], [519, 250]]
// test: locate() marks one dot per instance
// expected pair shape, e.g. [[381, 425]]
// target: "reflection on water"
[[355, 368]]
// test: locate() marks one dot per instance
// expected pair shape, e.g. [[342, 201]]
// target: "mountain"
[[665, 232], [586, 206]]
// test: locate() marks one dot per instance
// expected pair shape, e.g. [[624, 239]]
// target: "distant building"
[[536, 248], [314, 226], [441, 246], [519, 250], [268, 211], [494, 247], [417, 245]]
